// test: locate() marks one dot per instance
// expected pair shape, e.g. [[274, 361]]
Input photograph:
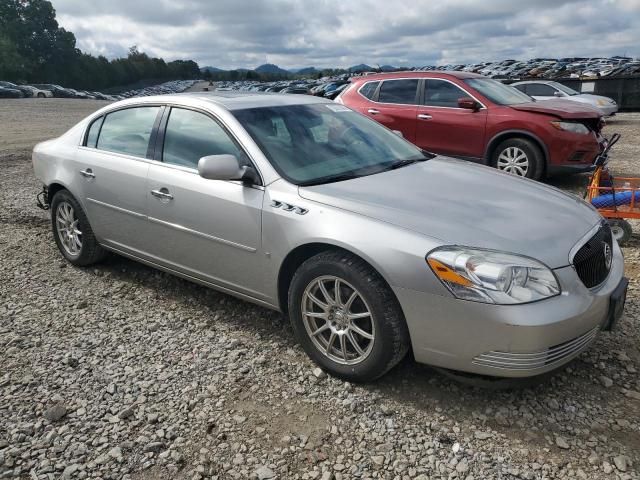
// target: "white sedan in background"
[[547, 90]]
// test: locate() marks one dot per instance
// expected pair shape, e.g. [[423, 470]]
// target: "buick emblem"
[[607, 254]]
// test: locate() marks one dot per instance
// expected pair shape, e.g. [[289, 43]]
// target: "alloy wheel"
[[513, 160], [338, 320], [68, 230]]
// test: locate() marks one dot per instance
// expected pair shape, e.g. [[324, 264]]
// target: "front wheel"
[[72, 231], [520, 157], [346, 317], [620, 229]]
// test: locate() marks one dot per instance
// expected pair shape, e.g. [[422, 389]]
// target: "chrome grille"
[[533, 360], [590, 261]]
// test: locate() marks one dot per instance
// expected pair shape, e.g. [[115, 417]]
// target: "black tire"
[[41, 95], [535, 170], [391, 339], [90, 252], [621, 230]]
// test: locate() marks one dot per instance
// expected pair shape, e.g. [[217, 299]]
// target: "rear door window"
[[128, 131], [399, 91], [440, 93]]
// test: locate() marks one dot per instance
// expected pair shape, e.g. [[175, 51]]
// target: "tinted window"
[[92, 134], [540, 90], [438, 93], [498, 92], [190, 135], [320, 143], [368, 89], [128, 131], [398, 91], [522, 87]]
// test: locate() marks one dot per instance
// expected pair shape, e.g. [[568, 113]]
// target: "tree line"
[[35, 49]]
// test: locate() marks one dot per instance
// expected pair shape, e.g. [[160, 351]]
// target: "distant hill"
[[272, 69], [304, 71], [211, 69], [388, 68], [361, 68]]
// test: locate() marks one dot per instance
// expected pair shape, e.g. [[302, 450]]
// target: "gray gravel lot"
[[120, 371]]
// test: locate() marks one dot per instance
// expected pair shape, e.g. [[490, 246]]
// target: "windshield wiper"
[[330, 179], [404, 163]]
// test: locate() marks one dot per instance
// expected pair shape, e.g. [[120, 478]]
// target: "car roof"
[[420, 74], [546, 82], [233, 100]]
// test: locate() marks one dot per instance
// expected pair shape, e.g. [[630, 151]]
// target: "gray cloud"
[[295, 33]]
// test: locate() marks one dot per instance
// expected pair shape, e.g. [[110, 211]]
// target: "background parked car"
[[475, 118], [27, 90], [56, 90], [10, 93], [548, 90]]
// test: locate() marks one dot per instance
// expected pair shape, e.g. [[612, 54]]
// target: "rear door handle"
[[373, 111], [424, 116], [162, 193], [87, 173]]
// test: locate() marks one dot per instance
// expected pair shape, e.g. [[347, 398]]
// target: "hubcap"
[[617, 232], [338, 320], [514, 160], [67, 226]]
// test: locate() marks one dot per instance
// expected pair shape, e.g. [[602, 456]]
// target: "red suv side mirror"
[[468, 103]]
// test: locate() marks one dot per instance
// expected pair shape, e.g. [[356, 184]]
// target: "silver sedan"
[[549, 90], [371, 246]]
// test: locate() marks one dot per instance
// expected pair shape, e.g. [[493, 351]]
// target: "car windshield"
[[498, 92], [323, 143], [564, 88]]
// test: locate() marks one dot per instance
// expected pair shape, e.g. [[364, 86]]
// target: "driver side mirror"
[[468, 103], [558, 94], [225, 167]]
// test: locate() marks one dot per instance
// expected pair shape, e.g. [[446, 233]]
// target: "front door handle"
[[424, 116], [373, 111], [162, 193], [87, 173]]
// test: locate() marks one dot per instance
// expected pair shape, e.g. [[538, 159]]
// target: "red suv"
[[469, 116]]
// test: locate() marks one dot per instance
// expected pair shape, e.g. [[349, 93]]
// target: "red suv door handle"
[[424, 116], [373, 111]]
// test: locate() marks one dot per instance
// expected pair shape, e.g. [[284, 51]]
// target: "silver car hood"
[[462, 203]]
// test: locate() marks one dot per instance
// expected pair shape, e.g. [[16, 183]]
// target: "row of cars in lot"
[[48, 90], [570, 67]]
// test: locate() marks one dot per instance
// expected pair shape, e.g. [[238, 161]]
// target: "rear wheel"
[[620, 229], [72, 231], [41, 95], [520, 157], [346, 318]]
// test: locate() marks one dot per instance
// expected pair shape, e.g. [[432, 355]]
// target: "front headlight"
[[601, 102], [570, 127], [492, 277]]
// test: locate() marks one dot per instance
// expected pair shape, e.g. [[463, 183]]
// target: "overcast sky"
[[322, 33]]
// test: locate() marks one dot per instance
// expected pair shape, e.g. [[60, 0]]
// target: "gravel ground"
[[120, 371]]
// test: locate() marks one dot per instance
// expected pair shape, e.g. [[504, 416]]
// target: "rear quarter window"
[[92, 133], [368, 90]]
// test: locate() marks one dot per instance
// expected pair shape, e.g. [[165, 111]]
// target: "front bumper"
[[509, 340]]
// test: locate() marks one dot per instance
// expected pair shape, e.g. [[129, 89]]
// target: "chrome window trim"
[[483, 106], [381, 81]]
